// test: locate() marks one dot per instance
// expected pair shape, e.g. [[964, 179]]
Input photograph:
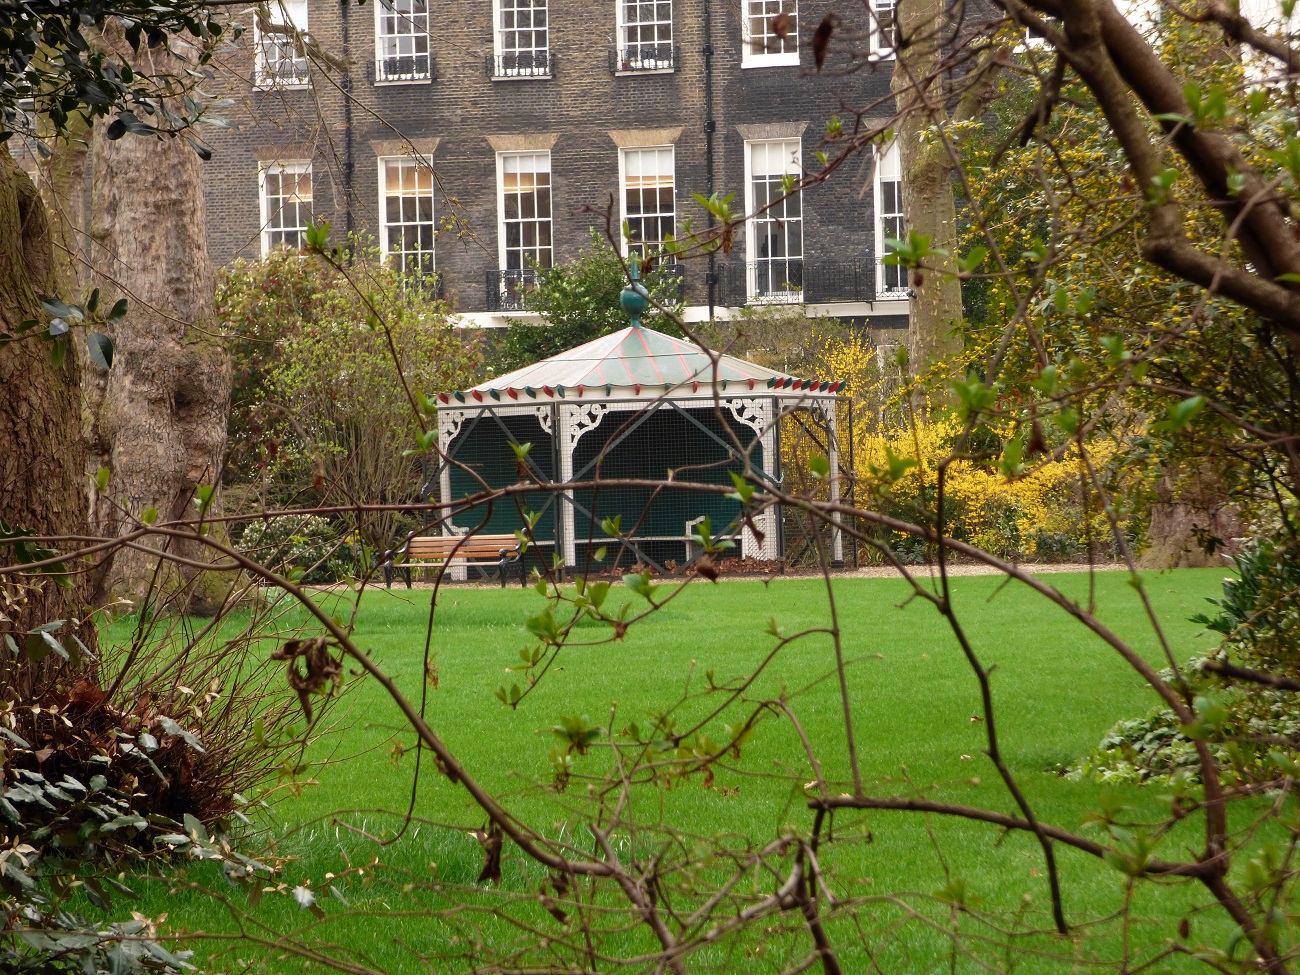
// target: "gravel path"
[[866, 572]]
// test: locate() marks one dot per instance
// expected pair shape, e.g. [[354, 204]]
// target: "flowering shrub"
[[894, 453], [1040, 515], [305, 544]]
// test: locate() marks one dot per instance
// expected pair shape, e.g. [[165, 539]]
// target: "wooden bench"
[[501, 551]]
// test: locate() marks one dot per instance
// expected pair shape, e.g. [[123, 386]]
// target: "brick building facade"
[[472, 118]]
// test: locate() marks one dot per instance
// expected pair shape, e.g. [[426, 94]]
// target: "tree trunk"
[[157, 420], [1191, 508], [928, 206], [42, 460], [67, 197]]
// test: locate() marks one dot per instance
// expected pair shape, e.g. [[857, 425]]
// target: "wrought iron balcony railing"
[[643, 57], [523, 64], [407, 67], [892, 282], [506, 288], [797, 281]]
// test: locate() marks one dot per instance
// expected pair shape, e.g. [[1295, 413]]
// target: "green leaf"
[[974, 396], [1012, 456], [101, 479], [1179, 415], [118, 311], [59, 309], [1048, 381], [150, 515], [176, 731], [543, 626], [744, 490], [640, 584], [100, 348], [819, 465], [972, 259], [203, 495]]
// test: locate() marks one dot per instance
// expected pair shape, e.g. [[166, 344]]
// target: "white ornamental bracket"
[[575, 420], [758, 415], [833, 478]]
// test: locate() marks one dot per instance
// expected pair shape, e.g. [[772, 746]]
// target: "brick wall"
[[579, 106]]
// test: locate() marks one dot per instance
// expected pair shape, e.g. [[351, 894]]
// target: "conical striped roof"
[[636, 359]]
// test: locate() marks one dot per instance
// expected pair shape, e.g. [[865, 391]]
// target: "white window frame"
[[500, 69], [891, 280], [282, 13], [386, 8], [882, 41], [502, 249], [386, 234], [792, 149], [627, 64], [630, 246], [298, 167], [751, 58]]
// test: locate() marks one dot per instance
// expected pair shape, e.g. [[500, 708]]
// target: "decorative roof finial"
[[634, 298]]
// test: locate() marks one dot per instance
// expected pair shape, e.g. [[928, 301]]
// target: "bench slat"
[[440, 547]]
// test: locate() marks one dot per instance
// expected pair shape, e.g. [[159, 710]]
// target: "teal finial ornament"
[[634, 298]]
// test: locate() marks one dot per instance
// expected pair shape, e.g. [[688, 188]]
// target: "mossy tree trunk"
[[42, 458]]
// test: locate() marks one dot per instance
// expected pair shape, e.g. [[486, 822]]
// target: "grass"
[[916, 715]]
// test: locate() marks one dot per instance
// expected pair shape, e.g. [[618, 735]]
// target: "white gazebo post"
[[833, 455], [575, 420], [449, 424], [758, 414]]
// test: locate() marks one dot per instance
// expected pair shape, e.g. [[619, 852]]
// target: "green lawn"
[[914, 700]]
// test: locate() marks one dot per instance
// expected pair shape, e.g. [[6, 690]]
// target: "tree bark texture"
[[928, 205], [157, 419], [1189, 507], [42, 458], [66, 193]]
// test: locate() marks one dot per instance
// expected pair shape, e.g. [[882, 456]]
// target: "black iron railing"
[[796, 281], [525, 64], [892, 282], [643, 57], [506, 288], [412, 67], [288, 71]]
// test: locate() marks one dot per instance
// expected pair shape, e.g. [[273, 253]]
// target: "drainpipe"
[[345, 84], [710, 126]]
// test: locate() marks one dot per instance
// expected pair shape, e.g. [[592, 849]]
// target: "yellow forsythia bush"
[[1041, 515]]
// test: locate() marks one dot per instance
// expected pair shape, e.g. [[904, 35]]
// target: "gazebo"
[[634, 404]]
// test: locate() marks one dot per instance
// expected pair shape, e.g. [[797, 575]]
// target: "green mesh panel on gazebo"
[[667, 441], [483, 450]]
